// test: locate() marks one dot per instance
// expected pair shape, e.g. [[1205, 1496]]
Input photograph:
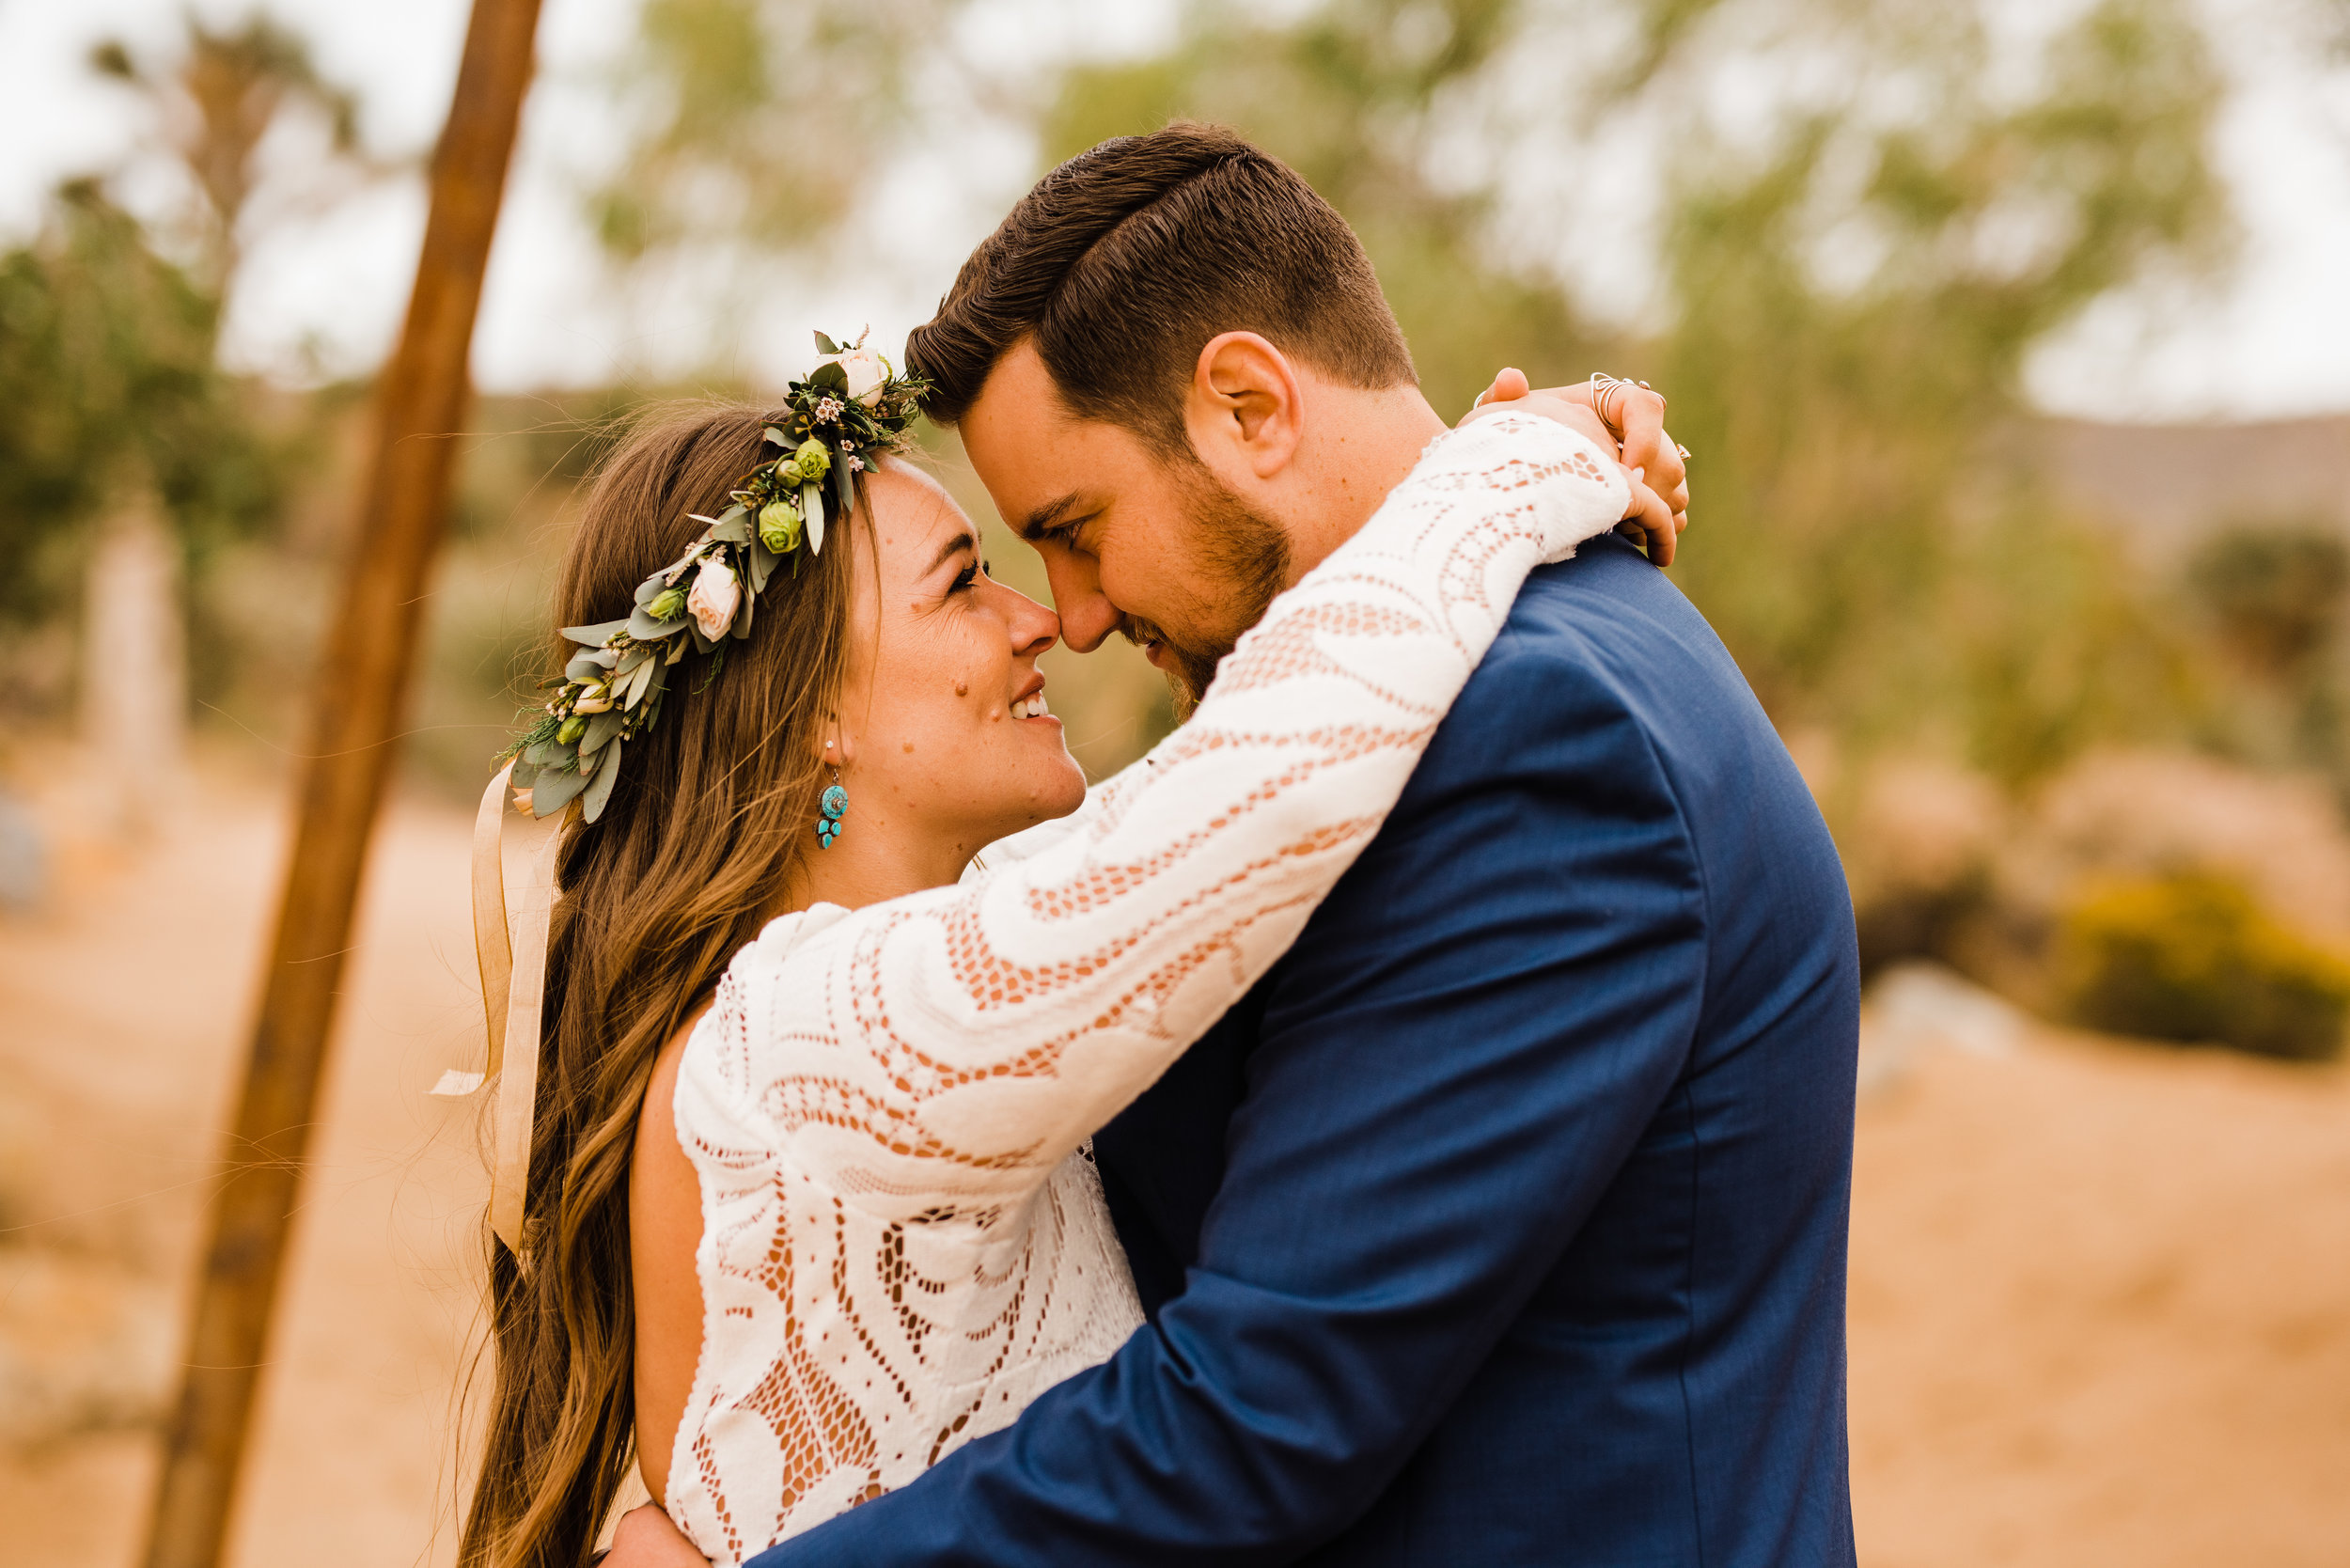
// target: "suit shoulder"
[[1556, 697], [1604, 661], [1598, 628]]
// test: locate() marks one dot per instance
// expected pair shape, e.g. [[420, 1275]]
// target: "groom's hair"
[[1125, 260]]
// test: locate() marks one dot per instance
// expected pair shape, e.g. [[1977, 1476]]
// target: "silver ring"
[[1604, 386]]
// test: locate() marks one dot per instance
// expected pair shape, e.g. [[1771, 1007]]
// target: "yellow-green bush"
[[2193, 956]]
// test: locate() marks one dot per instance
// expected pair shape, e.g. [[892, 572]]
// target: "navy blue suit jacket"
[[1504, 1223]]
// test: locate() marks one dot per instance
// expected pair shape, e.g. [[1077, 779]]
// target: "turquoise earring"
[[831, 807]]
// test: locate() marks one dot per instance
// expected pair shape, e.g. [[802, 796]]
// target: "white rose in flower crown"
[[714, 597], [866, 369]]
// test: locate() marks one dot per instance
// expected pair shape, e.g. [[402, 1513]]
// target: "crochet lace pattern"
[[904, 1240]]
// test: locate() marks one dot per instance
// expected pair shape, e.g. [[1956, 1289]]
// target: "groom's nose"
[[1087, 614]]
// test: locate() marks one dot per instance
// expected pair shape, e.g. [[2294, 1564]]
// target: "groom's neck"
[[1359, 445]]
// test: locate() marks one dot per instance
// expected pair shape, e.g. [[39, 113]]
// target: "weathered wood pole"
[[362, 688]]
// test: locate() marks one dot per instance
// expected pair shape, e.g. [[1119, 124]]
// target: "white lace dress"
[[903, 1238]]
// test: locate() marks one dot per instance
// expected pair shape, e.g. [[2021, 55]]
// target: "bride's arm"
[[665, 1227], [934, 1054]]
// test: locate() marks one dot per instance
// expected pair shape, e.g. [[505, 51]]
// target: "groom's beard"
[[1245, 556]]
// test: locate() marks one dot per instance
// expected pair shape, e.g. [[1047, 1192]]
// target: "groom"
[[1504, 1222]]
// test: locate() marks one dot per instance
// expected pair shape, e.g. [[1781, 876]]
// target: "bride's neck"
[[874, 859]]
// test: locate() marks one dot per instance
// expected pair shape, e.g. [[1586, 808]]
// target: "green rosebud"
[[573, 728], [779, 526], [667, 605], [814, 461]]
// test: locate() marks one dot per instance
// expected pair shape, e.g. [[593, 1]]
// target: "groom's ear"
[[1243, 411]]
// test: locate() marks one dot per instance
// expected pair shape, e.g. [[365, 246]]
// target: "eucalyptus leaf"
[[825, 345], [546, 754], [599, 730], [522, 775], [812, 514], [641, 682], [643, 628], [701, 644], [741, 627], [779, 438], [582, 667], [600, 790], [762, 561], [554, 791], [633, 660], [734, 530], [831, 378], [651, 589], [738, 510], [843, 487], [594, 637]]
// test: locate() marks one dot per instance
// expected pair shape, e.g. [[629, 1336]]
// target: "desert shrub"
[[2276, 591], [2193, 957]]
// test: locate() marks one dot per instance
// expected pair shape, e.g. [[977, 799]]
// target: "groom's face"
[[1133, 541]]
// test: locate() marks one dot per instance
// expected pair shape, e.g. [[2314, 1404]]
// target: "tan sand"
[[2101, 1292]]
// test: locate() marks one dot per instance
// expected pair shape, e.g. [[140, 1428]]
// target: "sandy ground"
[[2100, 1305]]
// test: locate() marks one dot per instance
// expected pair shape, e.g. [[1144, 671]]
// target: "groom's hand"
[[647, 1538], [1652, 521], [1646, 447]]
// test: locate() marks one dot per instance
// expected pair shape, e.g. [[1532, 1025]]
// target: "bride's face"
[[947, 742]]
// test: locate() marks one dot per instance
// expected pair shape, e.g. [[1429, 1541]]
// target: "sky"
[[323, 294]]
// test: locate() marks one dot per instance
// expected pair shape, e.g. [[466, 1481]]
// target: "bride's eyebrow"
[[947, 552]]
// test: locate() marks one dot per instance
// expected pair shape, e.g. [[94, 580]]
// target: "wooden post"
[[420, 407]]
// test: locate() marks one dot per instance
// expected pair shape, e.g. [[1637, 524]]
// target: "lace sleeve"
[[936, 1056]]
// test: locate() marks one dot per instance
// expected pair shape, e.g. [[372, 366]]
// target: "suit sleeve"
[[1455, 1059]]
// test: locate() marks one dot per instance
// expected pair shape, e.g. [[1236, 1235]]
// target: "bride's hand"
[[1655, 518], [1645, 445]]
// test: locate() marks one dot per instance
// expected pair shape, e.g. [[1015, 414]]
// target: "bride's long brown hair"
[[703, 832]]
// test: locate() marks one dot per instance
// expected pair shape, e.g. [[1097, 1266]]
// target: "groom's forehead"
[[1038, 460], [1020, 396]]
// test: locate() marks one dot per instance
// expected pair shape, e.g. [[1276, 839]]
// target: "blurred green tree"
[[106, 362], [134, 455], [227, 90], [1854, 301], [762, 122]]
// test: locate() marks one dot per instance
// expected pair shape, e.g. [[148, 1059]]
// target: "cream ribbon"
[[513, 990]]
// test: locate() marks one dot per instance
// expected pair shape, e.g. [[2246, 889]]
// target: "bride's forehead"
[[912, 513], [903, 494]]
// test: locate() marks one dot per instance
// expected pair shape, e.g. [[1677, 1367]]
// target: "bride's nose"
[[1033, 627]]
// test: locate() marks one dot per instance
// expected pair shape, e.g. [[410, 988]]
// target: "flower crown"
[[851, 408]]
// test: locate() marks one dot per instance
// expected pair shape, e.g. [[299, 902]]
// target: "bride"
[[810, 1202]]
